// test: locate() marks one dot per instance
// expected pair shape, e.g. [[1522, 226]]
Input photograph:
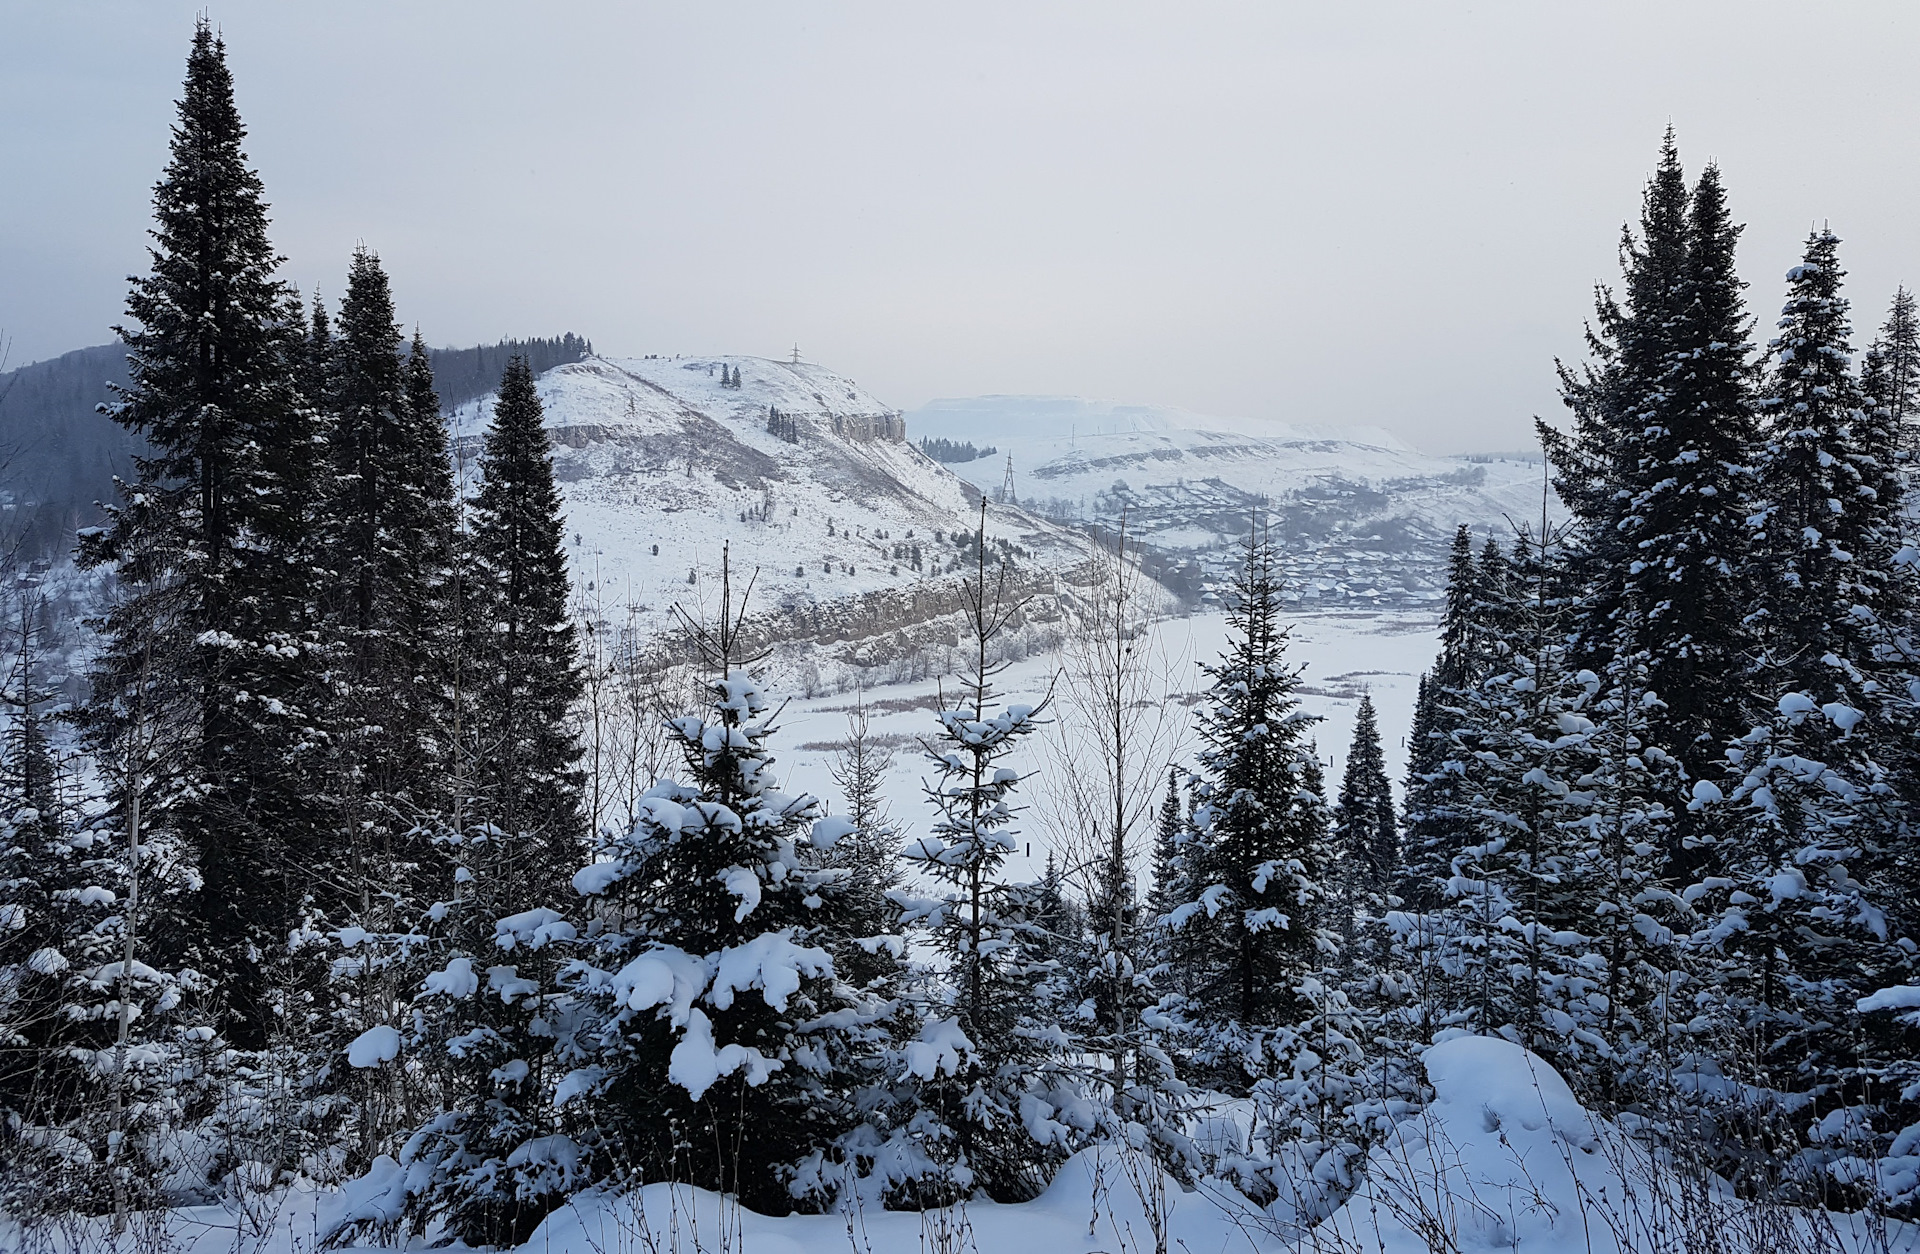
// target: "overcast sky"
[[1367, 213]]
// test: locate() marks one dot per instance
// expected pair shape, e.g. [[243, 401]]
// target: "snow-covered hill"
[[1358, 507], [852, 535]]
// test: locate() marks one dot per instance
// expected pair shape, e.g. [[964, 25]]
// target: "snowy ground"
[[1344, 654], [1504, 1158]]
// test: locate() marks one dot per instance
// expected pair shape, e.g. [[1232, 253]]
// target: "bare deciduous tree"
[[1116, 732]]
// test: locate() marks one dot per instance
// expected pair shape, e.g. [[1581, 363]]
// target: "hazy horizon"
[[1392, 218]]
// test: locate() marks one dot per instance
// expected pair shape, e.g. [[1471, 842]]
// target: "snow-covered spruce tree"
[[1318, 1085], [521, 650], [1891, 384], [491, 1014], [1260, 855], [426, 610], [1898, 391], [486, 1038], [1488, 935], [1814, 820], [1658, 469], [1173, 833], [1380, 995], [388, 534], [1494, 613], [1425, 747], [1444, 770], [1169, 836], [1829, 532], [316, 361], [389, 524], [1436, 775], [868, 849], [722, 1048], [1619, 998], [1001, 1107], [1617, 394], [215, 534], [1366, 830]]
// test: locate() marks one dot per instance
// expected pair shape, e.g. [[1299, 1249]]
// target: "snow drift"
[[1503, 1158]]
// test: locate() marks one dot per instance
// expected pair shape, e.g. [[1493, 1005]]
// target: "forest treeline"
[[59, 456], [340, 886]]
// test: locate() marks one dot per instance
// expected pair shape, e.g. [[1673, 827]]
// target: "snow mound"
[[373, 1047], [1504, 1157]]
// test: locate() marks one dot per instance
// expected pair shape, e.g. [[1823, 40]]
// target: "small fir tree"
[[1366, 829], [1259, 857]]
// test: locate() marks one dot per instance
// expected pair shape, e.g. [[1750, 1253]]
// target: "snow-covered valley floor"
[[1344, 654]]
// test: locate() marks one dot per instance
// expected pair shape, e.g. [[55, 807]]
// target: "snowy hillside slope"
[[1188, 482], [851, 535]]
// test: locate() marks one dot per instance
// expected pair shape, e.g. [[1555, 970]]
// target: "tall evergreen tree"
[[1436, 781], [218, 641], [316, 368], [1697, 496], [425, 613], [1799, 925], [1619, 393], [497, 1159], [521, 642], [1659, 473], [365, 407], [1366, 829], [391, 532], [1829, 532], [1898, 351]]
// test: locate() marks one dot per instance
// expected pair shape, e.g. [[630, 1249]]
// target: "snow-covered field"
[[1344, 655], [1503, 1158]]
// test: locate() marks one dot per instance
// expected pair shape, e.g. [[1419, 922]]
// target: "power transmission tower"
[[1006, 489]]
